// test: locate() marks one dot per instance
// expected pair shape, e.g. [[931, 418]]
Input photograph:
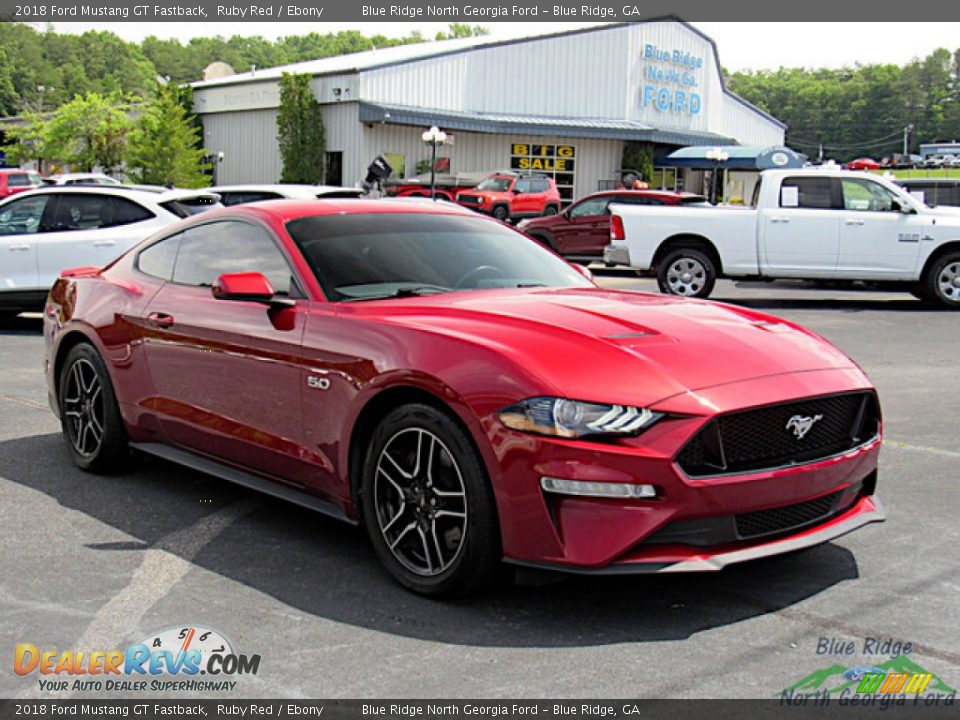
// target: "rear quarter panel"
[[103, 311]]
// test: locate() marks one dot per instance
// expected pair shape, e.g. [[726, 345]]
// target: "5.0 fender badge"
[[318, 383]]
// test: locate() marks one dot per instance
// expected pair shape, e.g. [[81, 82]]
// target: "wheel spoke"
[[449, 513], [396, 466], [436, 542], [426, 549], [403, 534], [396, 486], [386, 528]]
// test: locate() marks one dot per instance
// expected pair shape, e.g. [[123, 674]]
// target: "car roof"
[[10, 171], [145, 195], [290, 189], [648, 192], [282, 211]]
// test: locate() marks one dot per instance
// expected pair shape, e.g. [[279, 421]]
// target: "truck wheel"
[[687, 272], [500, 212], [942, 283]]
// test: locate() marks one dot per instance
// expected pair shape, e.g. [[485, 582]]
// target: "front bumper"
[[693, 523], [616, 255], [867, 510]]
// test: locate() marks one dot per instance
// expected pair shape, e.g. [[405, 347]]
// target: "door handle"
[[779, 219], [104, 243], [19, 247], [854, 222], [160, 319]]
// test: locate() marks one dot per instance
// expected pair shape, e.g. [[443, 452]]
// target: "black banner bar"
[[471, 11], [800, 708]]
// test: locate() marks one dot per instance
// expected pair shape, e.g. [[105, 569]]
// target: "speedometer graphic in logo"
[[181, 640]]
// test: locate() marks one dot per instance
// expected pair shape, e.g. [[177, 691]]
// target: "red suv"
[[14, 180], [507, 195], [583, 229]]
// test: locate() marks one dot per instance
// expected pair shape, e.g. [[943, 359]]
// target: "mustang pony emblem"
[[801, 425]]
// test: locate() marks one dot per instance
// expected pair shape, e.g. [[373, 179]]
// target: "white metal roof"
[[361, 60]]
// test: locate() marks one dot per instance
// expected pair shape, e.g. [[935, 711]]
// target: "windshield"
[[496, 184], [383, 255]]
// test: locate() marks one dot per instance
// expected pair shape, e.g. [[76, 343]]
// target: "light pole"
[[717, 157], [216, 167], [433, 137]]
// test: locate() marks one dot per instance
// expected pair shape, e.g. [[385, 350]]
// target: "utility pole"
[[906, 139]]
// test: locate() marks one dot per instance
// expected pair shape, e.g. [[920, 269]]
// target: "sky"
[[741, 45]]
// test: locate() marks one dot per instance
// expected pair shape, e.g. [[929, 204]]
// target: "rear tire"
[[550, 210], [428, 506], [942, 281], [92, 426], [687, 273]]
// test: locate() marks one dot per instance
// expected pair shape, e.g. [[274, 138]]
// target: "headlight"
[[572, 419]]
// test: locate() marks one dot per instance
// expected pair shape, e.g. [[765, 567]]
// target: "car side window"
[[208, 251], [590, 208], [78, 211], [815, 193], [18, 180], [23, 216], [240, 198], [638, 200], [522, 186], [541, 185], [126, 212], [864, 195], [158, 259]]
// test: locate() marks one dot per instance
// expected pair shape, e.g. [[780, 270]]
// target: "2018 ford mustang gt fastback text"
[[462, 392]]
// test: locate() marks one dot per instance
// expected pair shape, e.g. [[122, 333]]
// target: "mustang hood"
[[621, 347]]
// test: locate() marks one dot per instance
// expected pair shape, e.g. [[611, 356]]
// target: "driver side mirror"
[[900, 207], [249, 286]]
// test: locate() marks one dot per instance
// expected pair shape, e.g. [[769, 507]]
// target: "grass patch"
[[923, 173]]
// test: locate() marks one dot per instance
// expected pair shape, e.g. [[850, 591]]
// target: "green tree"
[[165, 144], [88, 132], [300, 131], [85, 133]]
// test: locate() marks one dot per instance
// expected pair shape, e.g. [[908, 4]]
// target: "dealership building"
[[562, 104]]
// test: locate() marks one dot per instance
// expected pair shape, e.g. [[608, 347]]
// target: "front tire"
[[427, 504], [501, 213], [687, 273], [92, 426], [942, 282]]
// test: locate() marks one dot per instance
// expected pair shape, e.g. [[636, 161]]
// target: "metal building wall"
[[248, 140], [471, 152]]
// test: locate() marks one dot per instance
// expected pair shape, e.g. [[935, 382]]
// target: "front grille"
[[790, 517], [778, 435], [472, 199]]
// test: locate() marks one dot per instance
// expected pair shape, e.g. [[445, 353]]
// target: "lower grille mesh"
[[765, 522]]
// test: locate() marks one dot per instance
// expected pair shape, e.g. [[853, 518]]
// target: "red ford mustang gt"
[[463, 392]]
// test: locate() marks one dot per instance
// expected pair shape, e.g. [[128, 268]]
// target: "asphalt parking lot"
[[100, 562]]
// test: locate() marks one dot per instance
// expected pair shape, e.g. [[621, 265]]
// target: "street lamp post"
[[717, 157], [433, 137]]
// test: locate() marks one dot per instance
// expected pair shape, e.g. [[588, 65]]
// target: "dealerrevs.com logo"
[[169, 661]]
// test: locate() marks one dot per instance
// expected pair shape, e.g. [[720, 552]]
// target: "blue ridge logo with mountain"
[[897, 675]]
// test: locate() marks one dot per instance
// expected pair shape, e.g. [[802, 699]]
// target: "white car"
[[80, 179], [806, 224], [242, 194], [46, 231]]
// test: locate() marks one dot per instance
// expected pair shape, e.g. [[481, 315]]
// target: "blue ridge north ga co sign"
[[671, 81]]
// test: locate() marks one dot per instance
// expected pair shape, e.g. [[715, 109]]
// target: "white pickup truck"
[[817, 223]]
